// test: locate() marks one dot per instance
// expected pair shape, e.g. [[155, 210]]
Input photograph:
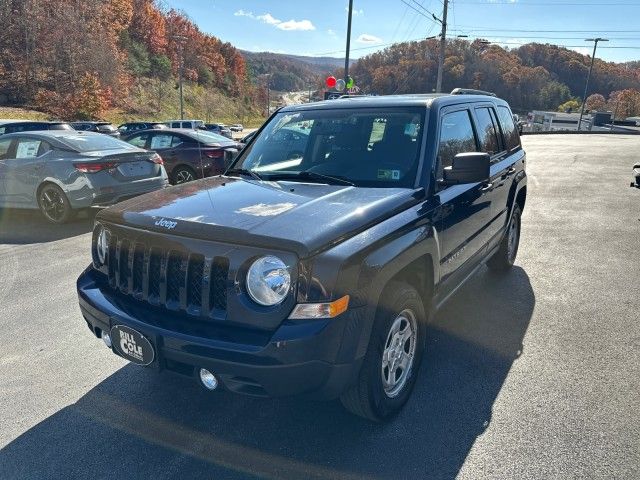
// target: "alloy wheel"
[[399, 352]]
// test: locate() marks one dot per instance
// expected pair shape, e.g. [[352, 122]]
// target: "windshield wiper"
[[244, 171], [306, 175]]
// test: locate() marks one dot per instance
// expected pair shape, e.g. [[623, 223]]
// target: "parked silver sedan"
[[59, 171]]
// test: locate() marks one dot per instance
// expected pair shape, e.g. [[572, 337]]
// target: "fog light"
[[106, 338], [208, 379]]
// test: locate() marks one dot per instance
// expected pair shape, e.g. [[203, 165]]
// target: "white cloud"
[[367, 38], [276, 22], [331, 33], [268, 19], [242, 13], [296, 25], [356, 12]]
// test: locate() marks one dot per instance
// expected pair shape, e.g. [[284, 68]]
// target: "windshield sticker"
[[28, 149], [388, 174], [411, 129]]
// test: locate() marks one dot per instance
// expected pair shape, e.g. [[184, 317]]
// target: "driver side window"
[[456, 136]]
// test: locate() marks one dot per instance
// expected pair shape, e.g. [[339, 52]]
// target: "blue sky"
[[306, 27]]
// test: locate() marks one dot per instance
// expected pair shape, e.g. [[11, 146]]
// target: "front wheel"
[[395, 350], [505, 257], [183, 175], [54, 204]]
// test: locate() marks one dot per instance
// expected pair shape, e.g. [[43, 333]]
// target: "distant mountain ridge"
[[291, 72]]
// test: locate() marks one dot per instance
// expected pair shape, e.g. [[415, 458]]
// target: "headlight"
[[101, 245], [268, 281]]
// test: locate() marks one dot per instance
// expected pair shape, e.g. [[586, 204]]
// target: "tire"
[[183, 174], [54, 204], [374, 396], [505, 257]]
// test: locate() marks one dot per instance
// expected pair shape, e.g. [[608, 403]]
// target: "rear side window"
[[456, 136], [487, 132], [139, 140], [27, 148], [509, 130], [4, 148]]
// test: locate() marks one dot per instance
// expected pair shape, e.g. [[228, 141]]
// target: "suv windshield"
[[377, 148]]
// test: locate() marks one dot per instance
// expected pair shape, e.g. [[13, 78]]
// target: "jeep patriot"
[[313, 265]]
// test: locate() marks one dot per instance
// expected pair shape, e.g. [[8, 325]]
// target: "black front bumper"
[[316, 357]]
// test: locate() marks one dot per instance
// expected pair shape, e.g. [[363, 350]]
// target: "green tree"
[[570, 106]]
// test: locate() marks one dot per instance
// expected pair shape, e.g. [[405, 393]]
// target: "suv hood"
[[301, 217]]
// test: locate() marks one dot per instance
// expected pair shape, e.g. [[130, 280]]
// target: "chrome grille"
[[174, 279]]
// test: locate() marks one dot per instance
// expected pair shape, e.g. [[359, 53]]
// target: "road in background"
[[534, 374]]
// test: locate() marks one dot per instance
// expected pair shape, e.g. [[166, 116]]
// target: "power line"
[[474, 28], [555, 4]]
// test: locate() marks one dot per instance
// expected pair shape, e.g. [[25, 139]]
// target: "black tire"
[[183, 174], [505, 257], [54, 204], [369, 397]]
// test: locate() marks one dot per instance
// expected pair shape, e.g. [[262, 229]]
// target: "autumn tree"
[[595, 102]]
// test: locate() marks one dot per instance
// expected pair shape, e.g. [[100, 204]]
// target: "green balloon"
[[350, 82]]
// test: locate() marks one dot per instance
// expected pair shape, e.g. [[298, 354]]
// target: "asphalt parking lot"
[[531, 375]]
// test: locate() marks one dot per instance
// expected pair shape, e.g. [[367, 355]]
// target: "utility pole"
[[267, 75], [346, 57], [443, 45], [586, 87], [181, 39]]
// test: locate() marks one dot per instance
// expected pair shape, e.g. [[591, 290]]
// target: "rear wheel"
[[505, 257], [183, 174], [54, 204], [395, 350]]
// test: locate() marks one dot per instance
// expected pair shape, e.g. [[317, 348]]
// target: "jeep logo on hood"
[[168, 224]]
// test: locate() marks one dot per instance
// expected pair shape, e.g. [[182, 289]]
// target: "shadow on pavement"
[[136, 424], [21, 227]]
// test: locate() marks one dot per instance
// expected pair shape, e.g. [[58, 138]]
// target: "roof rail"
[[471, 91]]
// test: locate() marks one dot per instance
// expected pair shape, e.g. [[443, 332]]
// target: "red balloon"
[[331, 81]]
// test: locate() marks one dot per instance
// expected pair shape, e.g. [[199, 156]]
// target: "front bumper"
[[311, 357]]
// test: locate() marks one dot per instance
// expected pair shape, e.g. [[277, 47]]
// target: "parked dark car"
[[61, 171], [219, 129], [99, 127], [247, 138], [188, 154], [12, 126], [130, 127], [315, 274]]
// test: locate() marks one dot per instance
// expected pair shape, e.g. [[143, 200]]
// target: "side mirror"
[[472, 167]]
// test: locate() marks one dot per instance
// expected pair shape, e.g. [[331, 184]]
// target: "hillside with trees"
[[289, 73], [78, 60], [534, 76]]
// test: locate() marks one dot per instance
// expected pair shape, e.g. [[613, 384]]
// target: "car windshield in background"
[[208, 137], [377, 148], [92, 143]]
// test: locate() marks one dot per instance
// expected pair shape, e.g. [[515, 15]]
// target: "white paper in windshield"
[[160, 141], [28, 149]]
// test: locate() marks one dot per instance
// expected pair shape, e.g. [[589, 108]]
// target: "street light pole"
[[346, 57], [180, 39], [586, 86], [443, 45]]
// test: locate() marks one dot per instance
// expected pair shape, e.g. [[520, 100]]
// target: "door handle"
[[487, 187], [510, 171]]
